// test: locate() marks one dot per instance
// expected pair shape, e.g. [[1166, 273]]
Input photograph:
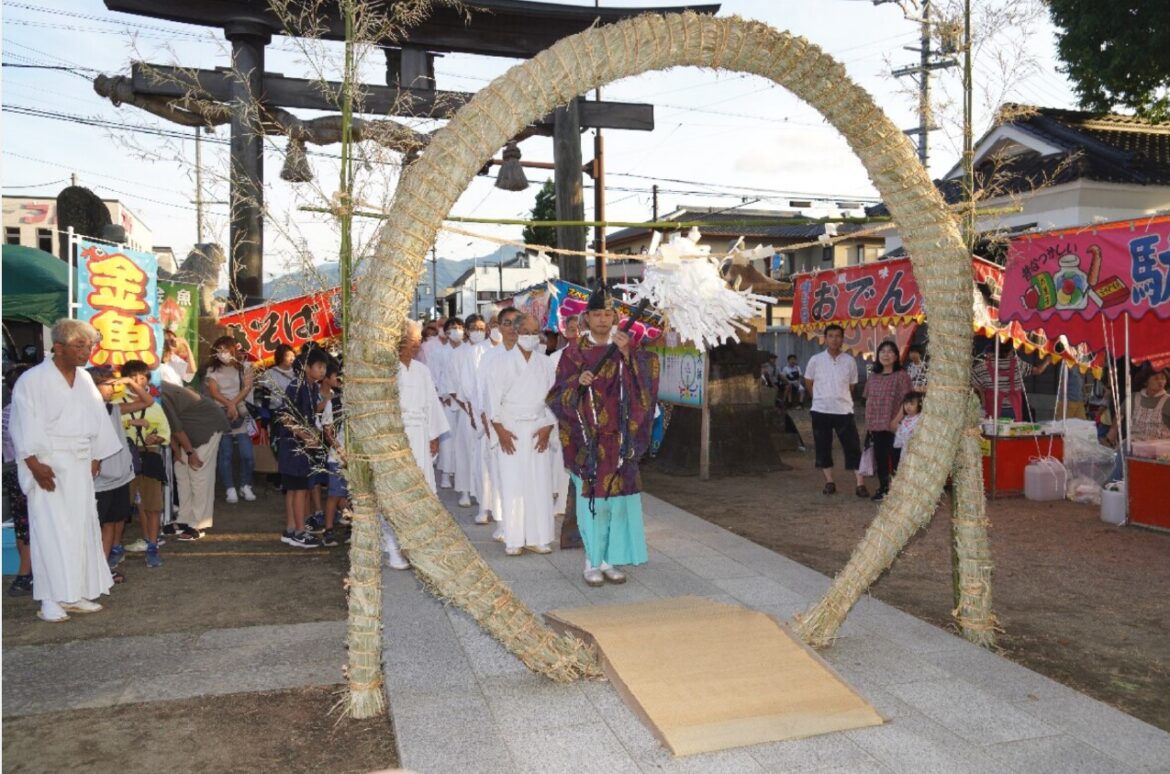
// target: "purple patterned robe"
[[628, 387]]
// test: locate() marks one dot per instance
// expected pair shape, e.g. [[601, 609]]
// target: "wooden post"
[[246, 259], [705, 422], [568, 187], [599, 206]]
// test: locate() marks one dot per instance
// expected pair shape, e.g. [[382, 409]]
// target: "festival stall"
[[878, 301], [1108, 287]]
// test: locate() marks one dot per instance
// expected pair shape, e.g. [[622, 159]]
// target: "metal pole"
[[968, 141], [924, 86], [599, 205], [199, 183], [654, 193], [435, 280]]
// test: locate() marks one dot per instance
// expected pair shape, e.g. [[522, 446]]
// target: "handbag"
[[146, 463]]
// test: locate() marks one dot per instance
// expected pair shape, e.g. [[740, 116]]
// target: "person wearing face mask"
[[228, 381], [442, 367], [518, 381], [606, 412], [467, 360], [490, 473], [430, 340], [495, 337]]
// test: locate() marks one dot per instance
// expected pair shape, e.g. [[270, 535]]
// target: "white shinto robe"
[[489, 468], [66, 428], [423, 417], [468, 360], [439, 362], [460, 367], [516, 392]]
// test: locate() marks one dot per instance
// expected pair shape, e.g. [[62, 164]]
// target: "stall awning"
[[36, 285], [1090, 283], [877, 301]]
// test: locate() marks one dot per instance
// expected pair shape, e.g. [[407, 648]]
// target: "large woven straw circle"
[[443, 558]]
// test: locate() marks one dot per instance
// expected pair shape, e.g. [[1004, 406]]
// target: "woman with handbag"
[[228, 381], [885, 389]]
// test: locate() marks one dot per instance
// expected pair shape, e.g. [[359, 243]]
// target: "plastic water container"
[[1045, 479], [1113, 504], [11, 555]]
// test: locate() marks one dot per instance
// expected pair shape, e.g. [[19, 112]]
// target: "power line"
[[36, 185]]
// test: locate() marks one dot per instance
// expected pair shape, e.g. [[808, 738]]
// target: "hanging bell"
[[296, 167], [511, 177]]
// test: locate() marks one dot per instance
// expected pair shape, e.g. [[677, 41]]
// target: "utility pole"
[[928, 61], [599, 195], [654, 192], [73, 179], [968, 140]]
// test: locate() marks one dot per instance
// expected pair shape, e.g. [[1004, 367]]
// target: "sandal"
[[861, 491], [830, 488], [118, 577]]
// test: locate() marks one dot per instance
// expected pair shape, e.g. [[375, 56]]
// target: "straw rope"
[[443, 558], [971, 543]]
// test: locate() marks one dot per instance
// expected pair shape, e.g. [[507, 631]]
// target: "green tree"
[[1118, 54], [545, 208]]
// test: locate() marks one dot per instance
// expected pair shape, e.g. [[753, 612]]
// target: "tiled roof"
[[791, 232], [1105, 147]]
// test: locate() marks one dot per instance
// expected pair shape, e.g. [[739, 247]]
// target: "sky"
[[721, 139]]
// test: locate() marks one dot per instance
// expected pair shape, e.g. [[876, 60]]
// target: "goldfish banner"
[[118, 295], [1091, 284], [178, 311], [298, 320]]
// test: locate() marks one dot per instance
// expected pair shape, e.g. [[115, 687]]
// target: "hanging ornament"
[[296, 167], [511, 177], [683, 284]]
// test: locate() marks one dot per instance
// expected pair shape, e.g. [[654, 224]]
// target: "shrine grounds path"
[[226, 658], [1082, 602]]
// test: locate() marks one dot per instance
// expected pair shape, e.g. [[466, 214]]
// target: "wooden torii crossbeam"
[[509, 28]]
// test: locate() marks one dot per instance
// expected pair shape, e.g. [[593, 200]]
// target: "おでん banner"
[[118, 295]]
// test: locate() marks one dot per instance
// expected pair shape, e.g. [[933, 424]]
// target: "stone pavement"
[[105, 672], [461, 703]]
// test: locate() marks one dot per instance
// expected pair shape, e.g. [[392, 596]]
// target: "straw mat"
[[705, 676]]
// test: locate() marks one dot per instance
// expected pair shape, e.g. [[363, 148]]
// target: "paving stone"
[[903, 629], [528, 701], [714, 566], [1126, 738], [976, 716], [758, 592], [1057, 755], [677, 547], [293, 634], [815, 753], [675, 581], [872, 661], [550, 593], [997, 675], [915, 744], [569, 749]]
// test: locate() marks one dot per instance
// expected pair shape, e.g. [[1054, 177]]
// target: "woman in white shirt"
[[229, 383]]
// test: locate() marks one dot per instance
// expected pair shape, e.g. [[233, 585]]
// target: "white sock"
[[605, 566]]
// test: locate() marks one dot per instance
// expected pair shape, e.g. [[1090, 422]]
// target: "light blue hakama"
[[616, 535]]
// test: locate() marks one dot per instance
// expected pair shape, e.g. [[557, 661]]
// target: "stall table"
[[1006, 456], [1149, 484]]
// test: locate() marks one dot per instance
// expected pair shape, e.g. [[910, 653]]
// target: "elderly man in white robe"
[[518, 382], [490, 472], [423, 420], [61, 432]]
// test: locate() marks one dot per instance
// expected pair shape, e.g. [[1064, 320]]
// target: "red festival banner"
[[872, 294], [1094, 283], [313, 317]]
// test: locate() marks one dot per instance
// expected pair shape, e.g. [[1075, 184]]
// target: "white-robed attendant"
[[468, 363], [423, 420], [518, 381], [442, 369], [464, 428], [61, 431]]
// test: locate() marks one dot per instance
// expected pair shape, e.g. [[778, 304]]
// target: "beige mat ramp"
[[707, 676]]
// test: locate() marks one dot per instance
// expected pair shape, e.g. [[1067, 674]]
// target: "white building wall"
[[35, 218]]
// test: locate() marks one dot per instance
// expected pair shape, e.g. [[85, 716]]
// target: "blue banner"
[[118, 295]]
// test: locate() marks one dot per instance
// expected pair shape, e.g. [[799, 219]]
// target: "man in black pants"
[[830, 377]]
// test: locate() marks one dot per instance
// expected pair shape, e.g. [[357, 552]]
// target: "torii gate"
[[509, 28]]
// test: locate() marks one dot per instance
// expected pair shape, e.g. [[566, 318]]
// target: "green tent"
[[35, 285]]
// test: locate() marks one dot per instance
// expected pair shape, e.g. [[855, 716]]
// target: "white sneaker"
[[447, 481], [396, 560], [465, 500], [231, 495], [247, 493]]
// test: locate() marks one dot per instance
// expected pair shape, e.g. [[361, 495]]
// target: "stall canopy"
[[878, 301], [36, 285], [1092, 283]]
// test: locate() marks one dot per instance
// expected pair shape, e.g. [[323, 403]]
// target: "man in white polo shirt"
[[830, 376]]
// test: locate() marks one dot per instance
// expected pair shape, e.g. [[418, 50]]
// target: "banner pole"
[[72, 290], [705, 423]]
